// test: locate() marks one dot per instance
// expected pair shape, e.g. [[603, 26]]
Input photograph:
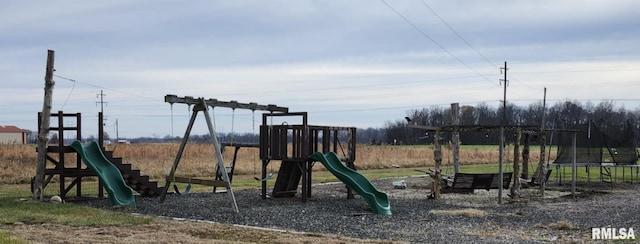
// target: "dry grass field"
[[18, 161]]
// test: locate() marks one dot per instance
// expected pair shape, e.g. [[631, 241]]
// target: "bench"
[[467, 182]]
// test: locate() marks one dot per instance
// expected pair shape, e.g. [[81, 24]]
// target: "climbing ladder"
[[605, 174]]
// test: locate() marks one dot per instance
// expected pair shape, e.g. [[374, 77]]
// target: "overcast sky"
[[347, 63]]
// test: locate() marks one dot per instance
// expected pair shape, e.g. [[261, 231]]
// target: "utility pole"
[[43, 134], [101, 95], [504, 82], [117, 136]]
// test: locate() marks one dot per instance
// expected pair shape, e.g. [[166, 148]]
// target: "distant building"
[[12, 135]]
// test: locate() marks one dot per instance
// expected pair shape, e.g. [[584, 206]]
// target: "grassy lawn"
[[16, 208]]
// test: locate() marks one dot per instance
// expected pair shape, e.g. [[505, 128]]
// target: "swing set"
[[223, 178]]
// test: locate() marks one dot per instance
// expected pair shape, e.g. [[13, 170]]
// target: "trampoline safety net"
[[594, 146]]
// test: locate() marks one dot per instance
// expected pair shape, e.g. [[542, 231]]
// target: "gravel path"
[[415, 219]]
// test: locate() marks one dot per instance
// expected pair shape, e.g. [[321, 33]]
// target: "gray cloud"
[[322, 57]]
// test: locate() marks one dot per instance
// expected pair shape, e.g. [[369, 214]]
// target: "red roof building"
[[12, 135]]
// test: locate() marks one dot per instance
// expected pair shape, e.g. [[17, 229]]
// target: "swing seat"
[[186, 190], [265, 178], [535, 181]]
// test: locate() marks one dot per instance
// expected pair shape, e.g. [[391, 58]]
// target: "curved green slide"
[[377, 200], [119, 193]]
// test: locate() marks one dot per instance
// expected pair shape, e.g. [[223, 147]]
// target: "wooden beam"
[[227, 104], [197, 181], [425, 127]]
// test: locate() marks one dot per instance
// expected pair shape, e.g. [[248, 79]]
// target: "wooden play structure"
[[292, 144], [58, 156]]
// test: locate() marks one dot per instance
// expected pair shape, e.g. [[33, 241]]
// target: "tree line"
[[566, 114]]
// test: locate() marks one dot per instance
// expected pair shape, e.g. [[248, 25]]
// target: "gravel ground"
[[416, 219]]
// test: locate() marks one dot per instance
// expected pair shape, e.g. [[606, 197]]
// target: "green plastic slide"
[[377, 200], [119, 193]]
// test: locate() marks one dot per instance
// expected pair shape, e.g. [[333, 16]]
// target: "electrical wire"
[[70, 92], [113, 90], [458, 35], [435, 42]]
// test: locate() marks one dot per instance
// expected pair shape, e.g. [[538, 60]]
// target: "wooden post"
[[574, 170], [515, 189], [437, 156], [543, 142], [43, 134], [455, 137], [500, 162], [525, 157]]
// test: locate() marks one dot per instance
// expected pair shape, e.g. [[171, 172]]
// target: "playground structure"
[[582, 146], [58, 155], [292, 144], [462, 182]]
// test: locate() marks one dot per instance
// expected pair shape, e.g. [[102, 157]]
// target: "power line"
[[458, 35], [113, 90], [435, 42], [469, 44], [70, 92], [577, 71]]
